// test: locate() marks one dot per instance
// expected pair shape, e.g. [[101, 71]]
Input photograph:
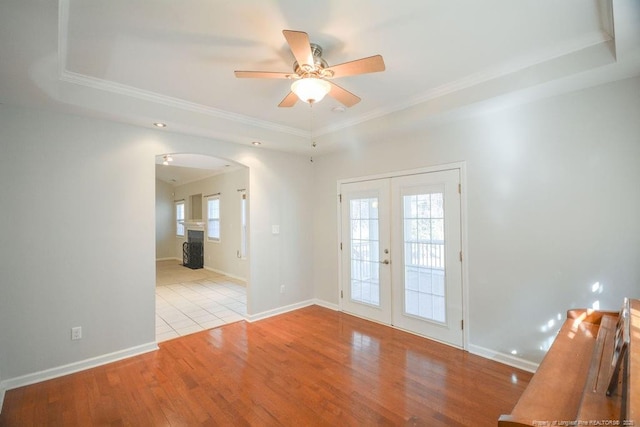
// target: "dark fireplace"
[[193, 249]]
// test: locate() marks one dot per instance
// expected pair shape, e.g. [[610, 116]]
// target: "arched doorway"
[[202, 205]]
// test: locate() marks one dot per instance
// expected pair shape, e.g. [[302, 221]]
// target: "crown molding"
[[145, 95], [110, 86], [511, 67]]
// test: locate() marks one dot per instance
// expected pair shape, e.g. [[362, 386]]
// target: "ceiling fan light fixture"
[[310, 89]]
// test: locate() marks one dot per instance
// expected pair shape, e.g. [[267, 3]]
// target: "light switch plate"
[[76, 333]]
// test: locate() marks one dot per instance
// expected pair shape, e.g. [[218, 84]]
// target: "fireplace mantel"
[[193, 223]]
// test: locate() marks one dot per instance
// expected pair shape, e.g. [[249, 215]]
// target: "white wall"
[[279, 195], [78, 240], [553, 207], [165, 236], [220, 256], [78, 234]]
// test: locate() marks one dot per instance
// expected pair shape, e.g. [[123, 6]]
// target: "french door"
[[366, 244], [401, 246]]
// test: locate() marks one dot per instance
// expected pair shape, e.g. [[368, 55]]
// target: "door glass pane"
[[424, 256], [365, 279]]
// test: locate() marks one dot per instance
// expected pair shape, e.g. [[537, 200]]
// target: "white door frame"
[[461, 166]]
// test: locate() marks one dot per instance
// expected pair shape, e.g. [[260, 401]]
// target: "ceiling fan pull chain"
[[313, 143]]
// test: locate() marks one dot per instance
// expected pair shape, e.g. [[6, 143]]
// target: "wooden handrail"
[[570, 385]]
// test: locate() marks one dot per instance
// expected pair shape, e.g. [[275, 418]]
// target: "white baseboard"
[[325, 304], [279, 310], [233, 276], [36, 377], [291, 307], [71, 368], [507, 359]]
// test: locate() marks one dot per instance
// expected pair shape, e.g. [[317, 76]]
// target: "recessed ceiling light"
[[256, 143], [160, 125]]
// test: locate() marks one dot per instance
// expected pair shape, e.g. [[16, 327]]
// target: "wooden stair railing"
[[570, 386]]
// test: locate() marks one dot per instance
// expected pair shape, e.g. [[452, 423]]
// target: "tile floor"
[[190, 306]]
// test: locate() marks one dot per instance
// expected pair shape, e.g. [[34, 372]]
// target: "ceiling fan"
[[312, 74]]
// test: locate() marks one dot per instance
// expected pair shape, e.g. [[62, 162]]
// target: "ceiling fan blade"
[[262, 75], [372, 64], [300, 46], [343, 95], [289, 100]]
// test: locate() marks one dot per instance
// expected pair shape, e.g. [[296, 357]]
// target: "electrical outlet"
[[76, 333], [282, 289]]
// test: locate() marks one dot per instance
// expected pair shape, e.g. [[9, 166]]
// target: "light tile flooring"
[[189, 301]]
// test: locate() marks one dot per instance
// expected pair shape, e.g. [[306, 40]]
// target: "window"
[[242, 253], [180, 219], [213, 218], [424, 249]]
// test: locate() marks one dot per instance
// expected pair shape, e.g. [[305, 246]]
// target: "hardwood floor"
[[309, 367]]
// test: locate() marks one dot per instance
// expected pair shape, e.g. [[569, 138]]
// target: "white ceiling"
[[185, 168], [172, 61]]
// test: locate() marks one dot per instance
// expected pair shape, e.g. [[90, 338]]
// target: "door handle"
[[386, 261]]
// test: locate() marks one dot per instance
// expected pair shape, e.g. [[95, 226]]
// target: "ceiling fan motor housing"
[[319, 64], [312, 73]]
